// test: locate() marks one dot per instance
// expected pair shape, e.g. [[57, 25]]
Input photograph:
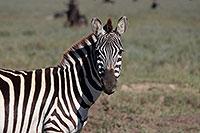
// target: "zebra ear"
[[121, 25], [97, 27]]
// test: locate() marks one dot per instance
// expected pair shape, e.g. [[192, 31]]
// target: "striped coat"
[[55, 99]]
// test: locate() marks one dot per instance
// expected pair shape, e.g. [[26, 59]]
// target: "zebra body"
[[57, 91], [57, 99]]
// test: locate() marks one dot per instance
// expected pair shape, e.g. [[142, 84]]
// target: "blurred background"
[[159, 88]]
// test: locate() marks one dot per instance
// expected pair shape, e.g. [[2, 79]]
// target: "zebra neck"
[[79, 62]]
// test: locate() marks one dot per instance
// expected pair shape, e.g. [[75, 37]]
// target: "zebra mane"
[[85, 41], [108, 27]]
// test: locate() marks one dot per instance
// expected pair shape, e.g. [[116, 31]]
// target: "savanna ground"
[[159, 89]]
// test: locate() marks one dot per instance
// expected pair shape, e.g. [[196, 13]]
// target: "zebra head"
[[108, 51]]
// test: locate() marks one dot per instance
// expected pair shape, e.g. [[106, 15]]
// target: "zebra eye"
[[97, 53], [120, 51]]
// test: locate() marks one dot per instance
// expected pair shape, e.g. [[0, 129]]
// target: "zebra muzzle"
[[109, 81]]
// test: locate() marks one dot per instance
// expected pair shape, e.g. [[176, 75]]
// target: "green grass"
[[161, 46]]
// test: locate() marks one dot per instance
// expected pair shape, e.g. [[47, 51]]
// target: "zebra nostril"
[[110, 70], [109, 81]]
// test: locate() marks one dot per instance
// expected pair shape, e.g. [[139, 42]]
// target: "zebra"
[[57, 99]]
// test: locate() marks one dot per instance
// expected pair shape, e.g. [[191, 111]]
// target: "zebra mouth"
[[109, 82], [109, 91]]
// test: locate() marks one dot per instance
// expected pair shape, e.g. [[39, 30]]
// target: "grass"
[[151, 110], [161, 46]]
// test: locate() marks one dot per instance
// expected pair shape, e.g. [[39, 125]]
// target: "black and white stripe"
[[57, 99], [109, 53]]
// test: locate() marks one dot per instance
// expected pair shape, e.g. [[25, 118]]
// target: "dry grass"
[[147, 107]]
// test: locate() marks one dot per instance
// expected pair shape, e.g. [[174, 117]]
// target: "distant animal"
[[154, 4], [57, 99], [109, 1], [74, 18]]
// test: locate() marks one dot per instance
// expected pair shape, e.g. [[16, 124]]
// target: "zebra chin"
[[109, 81]]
